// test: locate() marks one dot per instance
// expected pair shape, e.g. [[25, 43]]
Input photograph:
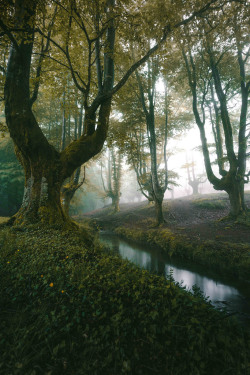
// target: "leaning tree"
[[90, 39]]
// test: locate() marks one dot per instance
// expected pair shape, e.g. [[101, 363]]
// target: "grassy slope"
[[136, 222], [226, 258], [69, 308]]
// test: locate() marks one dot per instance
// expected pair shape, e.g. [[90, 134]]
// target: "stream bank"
[[75, 309], [223, 257], [224, 294], [194, 230]]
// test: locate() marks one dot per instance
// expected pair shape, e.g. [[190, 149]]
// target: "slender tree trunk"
[[172, 193], [63, 137]]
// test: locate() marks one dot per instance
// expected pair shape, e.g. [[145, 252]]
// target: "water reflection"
[[220, 294]]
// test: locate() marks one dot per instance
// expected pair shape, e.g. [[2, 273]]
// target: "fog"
[[184, 150]]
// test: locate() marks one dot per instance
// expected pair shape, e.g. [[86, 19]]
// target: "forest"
[[124, 187]]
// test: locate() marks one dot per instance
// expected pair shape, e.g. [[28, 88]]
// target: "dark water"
[[234, 297]]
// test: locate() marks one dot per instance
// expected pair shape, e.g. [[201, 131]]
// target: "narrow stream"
[[234, 298]]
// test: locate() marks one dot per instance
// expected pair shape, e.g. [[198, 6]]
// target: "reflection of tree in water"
[[221, 295], [156, 263]]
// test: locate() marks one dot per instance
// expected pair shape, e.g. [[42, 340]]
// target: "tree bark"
[[232, 181], [159, 212], [156, 191], [68, 190], [115, 203], [45, 168], [41, 162], [194, 185], [235, 197], [41, 200]]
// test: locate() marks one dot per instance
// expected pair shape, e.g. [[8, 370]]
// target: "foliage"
[[3, 219], [11, 179], [71, 308]]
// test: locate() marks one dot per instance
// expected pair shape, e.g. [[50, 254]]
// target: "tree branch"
[[73, 72], [9, 34], [44, 50]]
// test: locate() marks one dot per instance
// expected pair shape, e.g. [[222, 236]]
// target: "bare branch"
[[70, 67], [9, 34], [44, 50]]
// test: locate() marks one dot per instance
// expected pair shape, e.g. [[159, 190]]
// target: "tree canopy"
[[76, 55]]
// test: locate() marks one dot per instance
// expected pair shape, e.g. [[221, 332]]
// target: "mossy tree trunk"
[[41, 201], [68, 189], [237, 206], [45, 168], [231, 179], [116, 203], [159, 212]]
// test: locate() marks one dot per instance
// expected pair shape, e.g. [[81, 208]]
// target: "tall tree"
[[151, 118], [112, 187], [221, 48], [147, 100], [92, 26]]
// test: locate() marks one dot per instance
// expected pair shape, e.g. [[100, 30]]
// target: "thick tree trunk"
[[237, 206], [115, 203], [159, 212], [45, 168], [194, 185], [41, 200]]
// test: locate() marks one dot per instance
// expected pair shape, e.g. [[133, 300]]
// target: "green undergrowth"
[[68, 307], [244, 219], [224, 257], [205, 203], [3, 219]]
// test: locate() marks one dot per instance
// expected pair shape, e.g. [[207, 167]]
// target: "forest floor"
[[197, 229], [67, 306], [199, 218]]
